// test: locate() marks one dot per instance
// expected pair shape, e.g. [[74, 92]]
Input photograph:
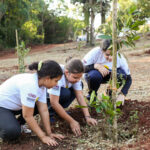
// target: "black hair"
[[48, 68], [74, 66], [106, 44]]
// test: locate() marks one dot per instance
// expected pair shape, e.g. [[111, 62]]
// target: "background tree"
[[14, 16], [143, 7]]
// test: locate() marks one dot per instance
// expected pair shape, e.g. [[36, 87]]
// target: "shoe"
[[25, 129]]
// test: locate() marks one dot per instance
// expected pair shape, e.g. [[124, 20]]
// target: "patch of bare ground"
[[133, 124]]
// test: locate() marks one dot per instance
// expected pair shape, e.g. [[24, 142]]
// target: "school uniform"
[[21, 89], [94, 78], [65, 91]]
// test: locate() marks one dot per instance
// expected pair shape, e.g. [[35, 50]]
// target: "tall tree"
[[92, 15], [104, 8], [16, 13]]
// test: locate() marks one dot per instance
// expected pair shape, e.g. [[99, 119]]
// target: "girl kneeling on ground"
[[69, 87], [20, 94]]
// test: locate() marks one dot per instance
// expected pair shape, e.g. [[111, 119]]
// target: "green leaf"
[[98, 109], [118, 110], [105, 37], [104, 105], [93, 95], [118, 103], [136, 37], [79, 106], [105, 97], [110, 112], [132, 9]]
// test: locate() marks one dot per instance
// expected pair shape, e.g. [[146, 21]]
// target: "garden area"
[[44, 34]]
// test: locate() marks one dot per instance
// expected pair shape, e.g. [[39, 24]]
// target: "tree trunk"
[[102, 5], [1, 13], [114, 69], [91, 24], [87, 16]]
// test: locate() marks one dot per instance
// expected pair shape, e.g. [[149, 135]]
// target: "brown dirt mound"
[[147, 52], [135, 115]]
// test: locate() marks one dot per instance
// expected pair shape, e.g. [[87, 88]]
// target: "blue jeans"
[[67, 96], [94, 79]]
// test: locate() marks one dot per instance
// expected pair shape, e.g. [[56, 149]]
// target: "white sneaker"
[[25, 129]]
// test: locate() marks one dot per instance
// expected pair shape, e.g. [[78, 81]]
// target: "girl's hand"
[[75, 127], [101, 69], [57, 136], [91, 121], [49, 141]]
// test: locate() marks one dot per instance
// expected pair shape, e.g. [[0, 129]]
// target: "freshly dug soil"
[[133, 122]]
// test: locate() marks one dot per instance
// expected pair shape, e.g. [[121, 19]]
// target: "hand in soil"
[[49, 141], [91, 121], [120, 98], [75, 127], [57, 136]]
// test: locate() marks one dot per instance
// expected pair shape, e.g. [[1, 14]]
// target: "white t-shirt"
[[21, 89], [64, 83], [96, 56]]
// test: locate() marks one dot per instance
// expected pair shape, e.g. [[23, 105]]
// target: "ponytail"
[[47, 68]]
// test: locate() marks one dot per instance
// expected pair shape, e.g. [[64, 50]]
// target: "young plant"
[[22, 51], [104, 105]]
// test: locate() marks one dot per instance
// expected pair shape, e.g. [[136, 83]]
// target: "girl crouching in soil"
[[69, 87], [20, 94]]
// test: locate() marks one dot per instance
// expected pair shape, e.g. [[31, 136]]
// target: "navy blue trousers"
[[94, 79], [10, 126], [67, 96]]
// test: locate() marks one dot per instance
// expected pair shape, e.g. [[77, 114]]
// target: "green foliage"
[[128, 23], [22, 51], [143, 7], [61, 29], [105, 37], [104, 106], [134, 116], [15, 14]]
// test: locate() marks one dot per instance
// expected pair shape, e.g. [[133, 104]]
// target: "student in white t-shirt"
[[70, 87], [98, 67], [19, 95]]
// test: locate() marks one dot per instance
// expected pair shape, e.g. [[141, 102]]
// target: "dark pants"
[[67, 96], [10, 126], [94, 79]]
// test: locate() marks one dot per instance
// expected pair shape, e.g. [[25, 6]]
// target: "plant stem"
[[114, 69]]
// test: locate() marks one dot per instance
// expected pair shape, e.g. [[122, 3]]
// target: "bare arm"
[[43, 111], [54, 100], [81, 101], [28, 116]]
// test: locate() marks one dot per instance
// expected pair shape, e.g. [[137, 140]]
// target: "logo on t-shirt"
[[32, 95], [56, 88]]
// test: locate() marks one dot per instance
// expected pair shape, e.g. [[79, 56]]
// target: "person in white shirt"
[[98, 67], [70, 87], [21, 93]]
